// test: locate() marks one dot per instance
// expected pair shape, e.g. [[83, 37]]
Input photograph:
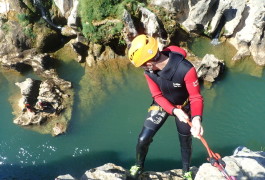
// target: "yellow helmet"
[[143, 48]]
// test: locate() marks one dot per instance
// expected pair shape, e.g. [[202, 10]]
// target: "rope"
[[214, 158]]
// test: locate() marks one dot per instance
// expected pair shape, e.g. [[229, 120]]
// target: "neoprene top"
[[175, 83]]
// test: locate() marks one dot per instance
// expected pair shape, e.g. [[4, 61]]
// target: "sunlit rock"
[[72, 19], [64, 6], [65, 177], [129, 29], [152, 26], [209, 68], [251, 162], [4, 7]]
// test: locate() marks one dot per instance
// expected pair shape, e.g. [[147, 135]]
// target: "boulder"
[[209, 68], [244, 164], [65, 177]]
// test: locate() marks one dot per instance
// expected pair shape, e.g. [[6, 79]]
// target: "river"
[[108, 114]]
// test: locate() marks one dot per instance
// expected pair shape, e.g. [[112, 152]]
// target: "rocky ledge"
[[44, 101], [244, 164]]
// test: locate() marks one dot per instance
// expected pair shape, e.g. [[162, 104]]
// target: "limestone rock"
[[244, 164], [72, 19], [111, 171], [209, 68], [107, 172], [152, 26], [129, 30], [65, 177], [252, 163], [64, 6], [241, 22]]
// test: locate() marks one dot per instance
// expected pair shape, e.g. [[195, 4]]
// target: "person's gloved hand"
[[196, 128], [182, 116]]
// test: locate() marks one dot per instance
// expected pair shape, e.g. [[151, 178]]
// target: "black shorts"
[[157, 116]]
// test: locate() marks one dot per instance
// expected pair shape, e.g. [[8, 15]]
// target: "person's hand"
[[182, 116], [196, 129]]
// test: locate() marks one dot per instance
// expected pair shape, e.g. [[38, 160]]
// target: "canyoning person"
[[174, 86], [28, 108], [46, 107]]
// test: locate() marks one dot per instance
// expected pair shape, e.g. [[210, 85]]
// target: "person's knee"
[[143, 140], [146, 136]]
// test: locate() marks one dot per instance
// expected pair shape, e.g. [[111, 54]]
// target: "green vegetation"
[[102, 19], [25, 21]]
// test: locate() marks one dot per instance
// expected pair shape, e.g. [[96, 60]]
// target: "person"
[[173, 83], [47, 107]]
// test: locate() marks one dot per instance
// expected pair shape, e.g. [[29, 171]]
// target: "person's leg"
[[185, 140], [155, 119], [144, 140], [186, 151]]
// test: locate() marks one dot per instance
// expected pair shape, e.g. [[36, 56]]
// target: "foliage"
[[98, 18], [25, 21]]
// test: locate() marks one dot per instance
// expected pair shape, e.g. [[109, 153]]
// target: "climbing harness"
[[214, 158]]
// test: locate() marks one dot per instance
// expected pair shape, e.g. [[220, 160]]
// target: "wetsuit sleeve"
[[158, 96], [195, 97]]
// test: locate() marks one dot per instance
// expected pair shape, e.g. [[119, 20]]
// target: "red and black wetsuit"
[[171, 86], [176, 83]]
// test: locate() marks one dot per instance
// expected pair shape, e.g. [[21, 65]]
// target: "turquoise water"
[[233, 116]]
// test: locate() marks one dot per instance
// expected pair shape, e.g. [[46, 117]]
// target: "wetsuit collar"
[[169, 70]]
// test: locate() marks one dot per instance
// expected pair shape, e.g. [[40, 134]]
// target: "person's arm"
[[158, 96], [196, 101], [195, 97]]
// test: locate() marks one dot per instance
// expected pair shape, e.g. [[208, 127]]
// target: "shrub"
[[92, 12]]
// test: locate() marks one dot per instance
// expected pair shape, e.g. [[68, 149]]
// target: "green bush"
[[92, 12], [23, 19]]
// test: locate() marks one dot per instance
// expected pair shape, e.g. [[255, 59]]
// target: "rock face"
[[242, 22], [244, 164]]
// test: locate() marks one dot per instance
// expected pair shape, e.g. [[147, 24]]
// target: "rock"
[[64, 6], [209, 68], [209, 172], [4, 8], [111, 171], [241, 22], [129, 30], [35, 93], [107, 172], [244, 164], [65, 177], [53, 91], [152, 27], [68, 31], [251, 163], [72, 19], [58, 129]]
